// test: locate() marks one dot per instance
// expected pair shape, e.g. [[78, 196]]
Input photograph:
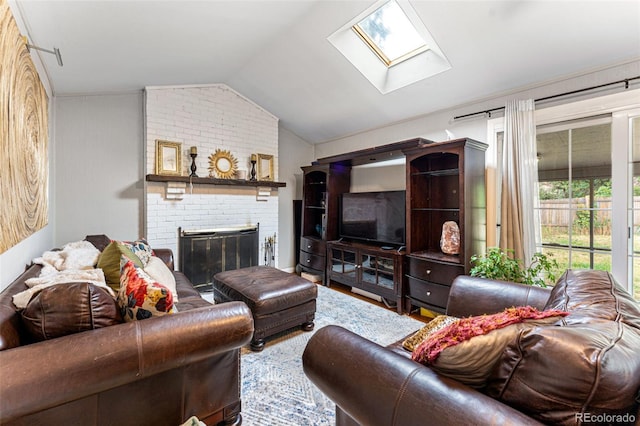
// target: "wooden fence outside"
[[561, 213]]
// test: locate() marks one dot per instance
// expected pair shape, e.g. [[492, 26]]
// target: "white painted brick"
[[208, 117]]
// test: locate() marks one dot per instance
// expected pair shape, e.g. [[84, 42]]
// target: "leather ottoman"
[[278, 300]]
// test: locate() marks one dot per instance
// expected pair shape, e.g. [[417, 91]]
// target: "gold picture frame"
[[168, 158], [265, 167], [222, 164]]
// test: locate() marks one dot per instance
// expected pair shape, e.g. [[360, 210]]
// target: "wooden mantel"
[[213, 181]]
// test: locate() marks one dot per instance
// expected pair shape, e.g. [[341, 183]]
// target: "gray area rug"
[[275, 390]]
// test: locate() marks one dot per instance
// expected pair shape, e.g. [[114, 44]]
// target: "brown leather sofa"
[[586, 370], [158, 371]]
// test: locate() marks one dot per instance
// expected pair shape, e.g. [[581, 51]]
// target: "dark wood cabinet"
[[369, 268], [322, 186], [445, 182]]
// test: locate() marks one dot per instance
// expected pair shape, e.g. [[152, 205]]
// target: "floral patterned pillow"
[[140, 297], [140, 248]]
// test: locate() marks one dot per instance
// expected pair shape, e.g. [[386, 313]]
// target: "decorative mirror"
[[222, 164], [265, 167]]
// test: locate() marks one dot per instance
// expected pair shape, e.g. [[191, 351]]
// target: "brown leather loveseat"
[[585, 369], [157, 371]]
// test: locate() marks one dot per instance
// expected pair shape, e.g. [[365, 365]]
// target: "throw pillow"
[[439, 322], [109, 262], [160, 272], [468, 349], [140, 297], [69, 308], [140, 248]]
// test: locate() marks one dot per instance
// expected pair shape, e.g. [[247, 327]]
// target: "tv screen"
[[373, 216]]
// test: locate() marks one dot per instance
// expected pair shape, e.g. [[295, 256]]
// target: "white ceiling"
[[276, 53]]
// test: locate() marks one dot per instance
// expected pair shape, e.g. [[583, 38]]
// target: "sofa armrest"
[[166, 255], [375, 386], [46, 374], [477, 296]]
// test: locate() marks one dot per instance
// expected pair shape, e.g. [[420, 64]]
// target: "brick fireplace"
[[208, 117]]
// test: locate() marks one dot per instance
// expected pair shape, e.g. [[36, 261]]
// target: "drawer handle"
[[428, 293], [308, 247], [428, 271], [308, 260]]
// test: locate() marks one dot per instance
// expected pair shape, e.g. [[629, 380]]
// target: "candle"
[[253, 157], [194, 150]]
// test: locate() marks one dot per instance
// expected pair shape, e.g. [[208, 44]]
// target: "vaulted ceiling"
[[276, 53]]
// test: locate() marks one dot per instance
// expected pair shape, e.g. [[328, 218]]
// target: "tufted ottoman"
[[278, 300]]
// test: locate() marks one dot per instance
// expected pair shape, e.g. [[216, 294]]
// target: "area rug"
[[275, 390]]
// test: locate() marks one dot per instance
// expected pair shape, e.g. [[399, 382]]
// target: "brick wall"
[[208, 117]]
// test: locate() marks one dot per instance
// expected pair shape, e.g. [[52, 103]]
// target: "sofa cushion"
[[587, 364], [109, 262], [141, 297], [160, 272], [69, 308], [468, 349]]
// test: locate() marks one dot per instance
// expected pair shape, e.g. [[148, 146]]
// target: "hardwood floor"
[[347, 290]]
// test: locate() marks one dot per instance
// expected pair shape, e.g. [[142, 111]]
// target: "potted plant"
[[499, 264]]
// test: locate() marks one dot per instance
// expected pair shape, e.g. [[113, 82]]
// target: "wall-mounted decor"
[[265, 167], [222, 164], [168, 158], [24, 138]]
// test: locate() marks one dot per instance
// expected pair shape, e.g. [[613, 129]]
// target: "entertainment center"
[[389, 243]]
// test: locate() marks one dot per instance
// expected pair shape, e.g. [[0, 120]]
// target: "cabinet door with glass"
[[343, 265], [377, 270]]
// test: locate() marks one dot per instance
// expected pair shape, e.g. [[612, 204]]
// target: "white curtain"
[[519, 221]]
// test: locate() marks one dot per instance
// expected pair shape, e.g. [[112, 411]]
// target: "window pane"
[[559, 255], [392, 33], [574, 172]]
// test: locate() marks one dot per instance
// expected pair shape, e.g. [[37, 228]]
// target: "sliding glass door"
[[575, 207], [588, 156], [634, 205]]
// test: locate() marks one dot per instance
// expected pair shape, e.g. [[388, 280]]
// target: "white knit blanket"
[[74, 263]]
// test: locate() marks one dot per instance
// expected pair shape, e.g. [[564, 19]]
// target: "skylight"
[[390, 45], [391, 35]]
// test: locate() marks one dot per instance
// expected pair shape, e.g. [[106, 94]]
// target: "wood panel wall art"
[[24, 164]]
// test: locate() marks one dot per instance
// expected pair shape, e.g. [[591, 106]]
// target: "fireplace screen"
[[205, 252]]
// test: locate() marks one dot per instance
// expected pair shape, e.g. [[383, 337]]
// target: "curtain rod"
[[546, 98]]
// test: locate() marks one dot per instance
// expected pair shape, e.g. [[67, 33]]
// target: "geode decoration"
[[450, 239]]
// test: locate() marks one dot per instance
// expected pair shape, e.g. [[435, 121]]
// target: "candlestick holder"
[[253, 170], [193, 165]]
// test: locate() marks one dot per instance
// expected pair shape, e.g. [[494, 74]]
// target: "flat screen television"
[[377, 217]]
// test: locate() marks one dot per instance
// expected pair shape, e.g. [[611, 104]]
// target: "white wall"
[[433, 126], [99, 174]]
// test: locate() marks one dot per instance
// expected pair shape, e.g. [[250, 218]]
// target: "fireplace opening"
[[202, 253]]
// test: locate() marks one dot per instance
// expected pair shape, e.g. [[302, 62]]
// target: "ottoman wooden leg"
[[257, 345], [307, 326]]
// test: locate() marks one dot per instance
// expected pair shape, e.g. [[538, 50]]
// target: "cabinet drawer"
[[314, 246], [313, 261], [441, 273], [433, 294]]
